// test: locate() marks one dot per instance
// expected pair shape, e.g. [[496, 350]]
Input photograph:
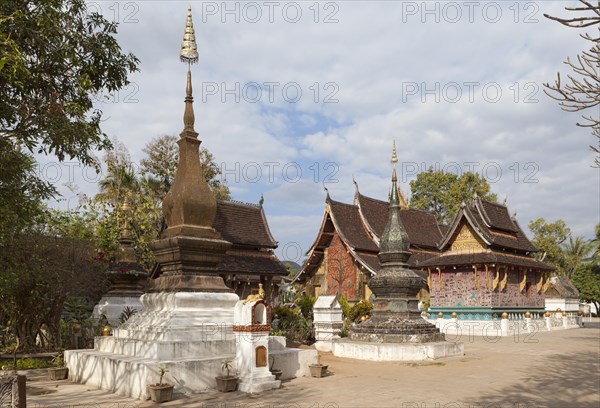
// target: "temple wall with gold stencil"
[[465, 241], [475, 288], [513, 295]]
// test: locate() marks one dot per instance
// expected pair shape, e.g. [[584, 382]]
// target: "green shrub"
[[30, 363], [289, 322], [345, 328], [306, 303], [345, 305], [362, 308]]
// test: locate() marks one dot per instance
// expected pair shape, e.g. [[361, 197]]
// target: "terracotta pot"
[[58, 373], [226, 384], [318, 370], [160, 392]]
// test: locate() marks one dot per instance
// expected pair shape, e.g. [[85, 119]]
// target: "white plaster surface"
[[396, 351], [457, 329], [112, 307], [189, 333]]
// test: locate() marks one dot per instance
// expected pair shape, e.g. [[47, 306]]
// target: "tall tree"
[[55, 57], [21, 191], [41, 268], [162, 155], [582, 90], [548, 238], [575, 252], [442, 192], [587, 280]]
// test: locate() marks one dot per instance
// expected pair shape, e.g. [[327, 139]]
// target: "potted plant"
[[59, 371], [228, 382], [276, 373], [161, 392], [318, 370]]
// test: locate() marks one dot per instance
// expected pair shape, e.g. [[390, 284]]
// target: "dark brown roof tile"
[[243, 225], [350, 227]]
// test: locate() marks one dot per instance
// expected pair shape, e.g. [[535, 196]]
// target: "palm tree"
[[575, 251], [120, 180]]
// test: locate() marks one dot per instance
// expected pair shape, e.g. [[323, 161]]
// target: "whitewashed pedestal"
[[328, 322], [188, 333], [252, 327]]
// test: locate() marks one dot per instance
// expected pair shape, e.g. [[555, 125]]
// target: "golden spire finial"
[[189, 51], [189, 54], [125, 208], [394, 156]]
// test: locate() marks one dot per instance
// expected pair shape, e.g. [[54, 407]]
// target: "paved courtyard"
[[546, 369]]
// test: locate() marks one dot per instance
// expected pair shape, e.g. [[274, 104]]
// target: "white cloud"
[[374, 55]]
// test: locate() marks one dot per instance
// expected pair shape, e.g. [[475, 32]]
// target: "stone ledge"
[[396, 351]]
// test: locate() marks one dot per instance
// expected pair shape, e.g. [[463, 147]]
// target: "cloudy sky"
[[291, 96]]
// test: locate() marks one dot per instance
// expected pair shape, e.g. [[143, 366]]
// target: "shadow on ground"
[[554, 381]]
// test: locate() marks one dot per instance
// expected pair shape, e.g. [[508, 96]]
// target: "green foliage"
[[362, 308], [29, 363], [574, 252], [306, 303], [548, 238], [58, 361], [226, 365], [587, 280], [21, 191], [126, 314], [161, 372], [427, 302], [596, 245], [289, 322], [442, 193], [106, 213], [345, 305], [57, 56], [39, 274], [345, 328]]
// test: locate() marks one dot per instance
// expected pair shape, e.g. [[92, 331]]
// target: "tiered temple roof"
[[360, 225], [492, 236], [245, 226], [252, 253]]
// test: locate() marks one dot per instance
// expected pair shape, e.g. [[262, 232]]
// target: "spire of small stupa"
[[189, 55], [394, 238], [190, 206], [396, 317], [125, 253]]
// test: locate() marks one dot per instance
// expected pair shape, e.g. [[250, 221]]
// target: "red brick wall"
[[338, 258]]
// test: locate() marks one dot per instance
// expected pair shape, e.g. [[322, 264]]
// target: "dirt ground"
[[546, 369]]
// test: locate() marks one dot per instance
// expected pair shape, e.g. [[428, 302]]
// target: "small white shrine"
[[252, 319], [328, 321]]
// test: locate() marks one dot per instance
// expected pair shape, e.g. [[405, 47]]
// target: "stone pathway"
[[546, 369]]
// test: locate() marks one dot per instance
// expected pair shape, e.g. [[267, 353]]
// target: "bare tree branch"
[[583, 91]]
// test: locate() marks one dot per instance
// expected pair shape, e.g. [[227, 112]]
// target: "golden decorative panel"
[[466, 241], [523, 282], [261, 356], [504, 280]]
